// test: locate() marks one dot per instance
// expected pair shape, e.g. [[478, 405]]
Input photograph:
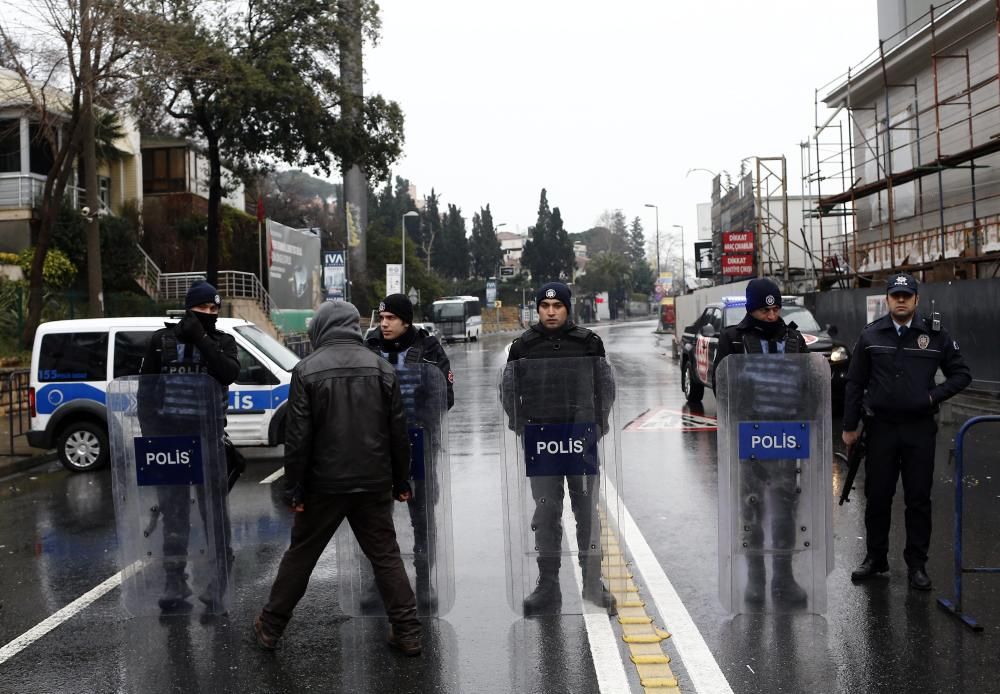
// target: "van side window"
[[252, 372], [73, 357], [130, 348]]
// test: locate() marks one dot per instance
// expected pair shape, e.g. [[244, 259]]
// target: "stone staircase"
[[245, 295]]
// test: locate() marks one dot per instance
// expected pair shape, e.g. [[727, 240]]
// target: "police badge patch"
[[381, 307], [550, 294], [923, 341]]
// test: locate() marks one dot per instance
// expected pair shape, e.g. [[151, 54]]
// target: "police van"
[[73, 361]]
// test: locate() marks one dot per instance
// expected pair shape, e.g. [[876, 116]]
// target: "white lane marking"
[[697, 659], [608, 665], [47, 625], [273, 476]]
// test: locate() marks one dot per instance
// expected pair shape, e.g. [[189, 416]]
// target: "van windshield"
[[803, 318], [449, 312], [277, 352]]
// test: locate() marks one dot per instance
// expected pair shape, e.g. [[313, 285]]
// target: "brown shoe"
[[409, 645], [263, 641]]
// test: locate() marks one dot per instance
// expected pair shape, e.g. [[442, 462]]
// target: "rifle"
[[854, 458]]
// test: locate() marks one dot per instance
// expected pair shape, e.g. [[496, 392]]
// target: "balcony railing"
[[25, 190]]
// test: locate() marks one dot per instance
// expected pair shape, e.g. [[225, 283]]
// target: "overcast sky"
[[606, 105]]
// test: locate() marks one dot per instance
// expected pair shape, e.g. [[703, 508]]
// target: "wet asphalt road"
[[57, 542]]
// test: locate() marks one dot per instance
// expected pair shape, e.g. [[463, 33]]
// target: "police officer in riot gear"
[[555, 336], [406, 347], [892, 376], [763, 331], [191, 346]]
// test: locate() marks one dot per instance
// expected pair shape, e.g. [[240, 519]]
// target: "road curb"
[[10, 467]]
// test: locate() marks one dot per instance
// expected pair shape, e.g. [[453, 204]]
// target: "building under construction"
[[904, 172]]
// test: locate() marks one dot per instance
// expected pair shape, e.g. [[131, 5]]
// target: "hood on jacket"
[[335, 320]]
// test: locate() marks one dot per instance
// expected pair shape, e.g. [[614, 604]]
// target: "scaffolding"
[[876, 161]]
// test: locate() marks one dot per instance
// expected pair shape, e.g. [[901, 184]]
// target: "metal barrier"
[[14, 400], [954, 607]]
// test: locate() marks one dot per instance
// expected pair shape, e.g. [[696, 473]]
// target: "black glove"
[[293, 494], [400, 489], [190, 328]]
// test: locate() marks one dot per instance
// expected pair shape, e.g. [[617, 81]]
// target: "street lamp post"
[[402, 272], [683, 284], [657, 209]]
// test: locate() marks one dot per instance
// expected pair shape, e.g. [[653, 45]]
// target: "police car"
[[73, 361], [700, 341]]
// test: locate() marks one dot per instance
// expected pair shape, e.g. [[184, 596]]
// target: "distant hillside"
[[303, 185]]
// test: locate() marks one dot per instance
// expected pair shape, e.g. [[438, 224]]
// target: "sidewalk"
[[24, 456]]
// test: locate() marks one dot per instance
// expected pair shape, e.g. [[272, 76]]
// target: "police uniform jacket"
[[774, 392], [168, 353], [557, 392], [425, 349], [894, 377]]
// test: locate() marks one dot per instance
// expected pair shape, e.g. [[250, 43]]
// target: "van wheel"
[[694, 392], [83, 447]]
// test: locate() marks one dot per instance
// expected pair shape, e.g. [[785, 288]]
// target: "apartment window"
[[163, 170], [10, 145], [42, 158]]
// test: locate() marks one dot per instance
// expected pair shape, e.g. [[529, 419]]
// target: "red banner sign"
[[737, 265], [737, 242]]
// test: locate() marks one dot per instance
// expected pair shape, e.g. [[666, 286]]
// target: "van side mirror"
[[708, 330], [831, 330]]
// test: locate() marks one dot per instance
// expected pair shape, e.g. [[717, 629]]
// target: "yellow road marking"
[[644, 638]]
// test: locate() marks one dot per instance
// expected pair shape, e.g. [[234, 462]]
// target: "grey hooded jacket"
[[345, 427]]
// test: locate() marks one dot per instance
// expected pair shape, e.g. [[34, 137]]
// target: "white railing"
[[25, 190], [174, 285]]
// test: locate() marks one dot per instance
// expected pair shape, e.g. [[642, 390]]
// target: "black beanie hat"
[[762, 293], [201, 292], [398, 305], [554, 290]]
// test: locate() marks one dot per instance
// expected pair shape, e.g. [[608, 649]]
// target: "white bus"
[[457, 318]]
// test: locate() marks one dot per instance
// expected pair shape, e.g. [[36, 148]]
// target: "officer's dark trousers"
[[548, 493], [370, 517], [900, 448], [770, 497]]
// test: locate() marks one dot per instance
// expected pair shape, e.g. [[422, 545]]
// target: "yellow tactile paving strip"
[[644, 639]]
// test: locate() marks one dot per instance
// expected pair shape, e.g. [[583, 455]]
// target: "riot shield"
[[560, 444], [775, 472], [169, 479], [423, 524]]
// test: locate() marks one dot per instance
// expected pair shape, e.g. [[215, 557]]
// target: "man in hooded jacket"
[[347, 455]]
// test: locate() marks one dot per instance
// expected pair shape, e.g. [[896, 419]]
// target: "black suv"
[[700, 341]]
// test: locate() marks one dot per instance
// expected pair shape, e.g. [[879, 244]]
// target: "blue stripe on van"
[[50, 397], [279, 395]]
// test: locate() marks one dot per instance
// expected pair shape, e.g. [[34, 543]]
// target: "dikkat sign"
[[737, 265], [737, 242]]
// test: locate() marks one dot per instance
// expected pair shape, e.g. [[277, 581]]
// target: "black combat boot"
[[175, 592], [784, 588], [547, 596], [594, 589], [756, 576]]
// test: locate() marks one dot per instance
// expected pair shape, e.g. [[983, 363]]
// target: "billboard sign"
[[491, 290], [335, 275], [393, 278], [703, 259], [293, 260]]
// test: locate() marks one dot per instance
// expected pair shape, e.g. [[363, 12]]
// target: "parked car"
[[700, 341], [72, 362]]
